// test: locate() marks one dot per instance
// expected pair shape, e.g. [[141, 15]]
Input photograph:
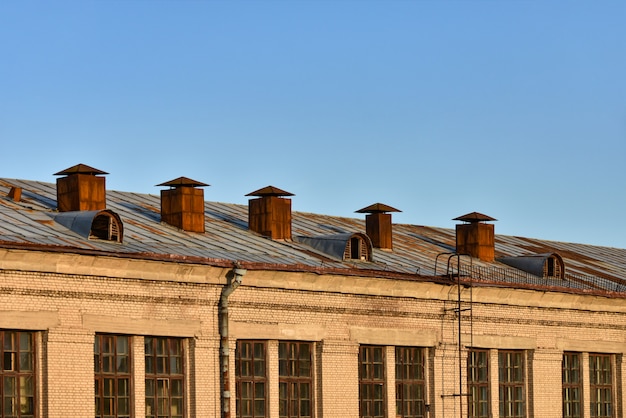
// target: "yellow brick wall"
[[68, 300]]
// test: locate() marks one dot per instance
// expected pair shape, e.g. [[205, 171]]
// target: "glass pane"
[[123, 387], [122, 364], [259, 390], [259, 408], [259, 350], [25, 341], [150, 407], [149, 365], [150, 387], [9, 386], [160, 346], [123, 406], [26, 386], [177, 407], [26, 362], [109, 387], [259, 368], [176, 365], [9, 338], [177, 387]]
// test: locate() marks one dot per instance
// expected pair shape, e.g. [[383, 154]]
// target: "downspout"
[[233, 283]]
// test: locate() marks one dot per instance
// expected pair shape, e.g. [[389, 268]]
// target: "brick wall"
[[66, 301]]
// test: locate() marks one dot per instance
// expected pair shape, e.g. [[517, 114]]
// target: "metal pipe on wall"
[[234, 282]]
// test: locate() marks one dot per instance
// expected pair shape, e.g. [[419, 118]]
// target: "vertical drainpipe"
[[234, 282]]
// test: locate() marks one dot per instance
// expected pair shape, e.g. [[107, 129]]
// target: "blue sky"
[[516, 109]]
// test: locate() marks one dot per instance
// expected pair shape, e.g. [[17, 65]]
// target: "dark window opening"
[[105, 227], [550, 262], [357, 249]]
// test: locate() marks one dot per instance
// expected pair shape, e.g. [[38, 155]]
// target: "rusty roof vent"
[[82, 188], [182, 205], [475, 237], [270, 214], [15, 193], [378, 225]]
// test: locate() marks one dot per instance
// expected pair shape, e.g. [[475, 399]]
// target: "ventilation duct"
[[270, 214], [82, 188], [475, 237], [182, 205], [378, 225]]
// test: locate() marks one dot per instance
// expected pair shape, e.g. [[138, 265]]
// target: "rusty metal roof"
[[419, 252]]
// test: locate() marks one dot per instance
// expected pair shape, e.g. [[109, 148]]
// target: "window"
[[478, 383], [410, 382], [357, 248], [164, 377], [112, 376], [554, 267], [295, 379], [511, 382], [106, 226], [251, 378], [17, 375], [572, 387], [372, 382], [601, 385]]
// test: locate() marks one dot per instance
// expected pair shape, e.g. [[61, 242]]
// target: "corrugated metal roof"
[[416, 248]]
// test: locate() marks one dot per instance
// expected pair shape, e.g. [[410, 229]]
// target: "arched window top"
[[106, 226], [345, 246], [554, 266], [357, 248], [103, 225]]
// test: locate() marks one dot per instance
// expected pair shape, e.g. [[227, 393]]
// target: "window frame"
[[116, 377], [476, 385], [295, 377], [572, 384], [161, 354], [372, 381], [596, 410], [254, 380], [357, 249], [19, 373], [410, 382], [512, 383]]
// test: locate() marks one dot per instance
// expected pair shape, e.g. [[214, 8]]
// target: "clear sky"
[[515, 109]]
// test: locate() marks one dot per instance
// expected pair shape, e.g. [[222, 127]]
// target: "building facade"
[[225, 310]]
